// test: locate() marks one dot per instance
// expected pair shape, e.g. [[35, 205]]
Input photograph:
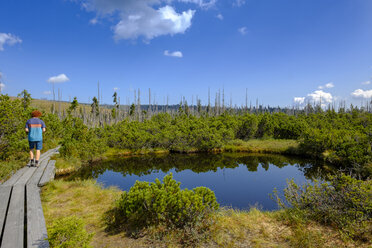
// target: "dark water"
[[238, 180]]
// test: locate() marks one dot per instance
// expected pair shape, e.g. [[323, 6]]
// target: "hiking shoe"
[[36, 163], [31, 163]]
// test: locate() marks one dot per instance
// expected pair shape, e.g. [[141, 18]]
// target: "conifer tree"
[[26, 99], [95, 107]]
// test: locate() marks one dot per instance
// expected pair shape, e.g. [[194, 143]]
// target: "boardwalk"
[[22, 222]]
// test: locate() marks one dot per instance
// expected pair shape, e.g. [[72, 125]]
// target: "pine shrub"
[[343, 201], [69, 232], [164, 204]]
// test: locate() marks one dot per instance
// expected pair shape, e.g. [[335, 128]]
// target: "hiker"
[[35, 128]]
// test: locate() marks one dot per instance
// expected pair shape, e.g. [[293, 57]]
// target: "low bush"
[[343, 202], [69, 232], [163, 205]]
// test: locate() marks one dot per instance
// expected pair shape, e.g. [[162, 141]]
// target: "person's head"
[[36, 113]]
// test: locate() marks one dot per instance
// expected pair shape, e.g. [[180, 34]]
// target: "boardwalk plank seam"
[[13, 236], [5, 193], [22, 222]]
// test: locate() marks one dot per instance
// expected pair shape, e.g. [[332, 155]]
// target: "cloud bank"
[[176, 54], [299, 100], [317, 97], [8, 39], [145, 18], [359, 93], [61, 78]]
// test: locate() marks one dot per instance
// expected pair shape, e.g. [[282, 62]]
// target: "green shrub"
[[69, 232], [344, 202], [164, 204], [79, 141]]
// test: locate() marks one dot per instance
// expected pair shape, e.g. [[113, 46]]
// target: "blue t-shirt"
[[35, 129]]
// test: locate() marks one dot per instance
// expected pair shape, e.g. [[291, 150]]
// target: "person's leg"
[[37, 155], [31, 154], [39, 146], [32, 160]]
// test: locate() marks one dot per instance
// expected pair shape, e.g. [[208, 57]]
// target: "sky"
[[281, 52]]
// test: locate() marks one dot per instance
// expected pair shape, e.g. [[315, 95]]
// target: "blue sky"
[[283, 52]]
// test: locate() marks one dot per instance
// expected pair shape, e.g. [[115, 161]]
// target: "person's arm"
[[43, 126], [26, 127]]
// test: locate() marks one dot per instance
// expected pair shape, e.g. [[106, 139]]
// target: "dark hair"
[[36, 113]]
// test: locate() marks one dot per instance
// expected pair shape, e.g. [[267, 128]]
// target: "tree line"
[[342, 137]]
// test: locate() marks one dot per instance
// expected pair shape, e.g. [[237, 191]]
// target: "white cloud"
[[243, 30], [93, 21], [238, 3], [316, 97], [219, 16], [61, 78], [2, 86], [177, 54], [145, 18], [326, 86], [319, 96], [299, 100], [366, 83], [201, 3], [359, 93], [8, 39], [48, 92]]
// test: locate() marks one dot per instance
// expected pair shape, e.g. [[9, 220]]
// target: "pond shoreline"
[[269, 146]]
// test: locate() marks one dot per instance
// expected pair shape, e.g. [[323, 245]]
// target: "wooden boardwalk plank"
[[49, 153], [26, 176], [48, 173], [5, 197], [15, 177], [36, 228], [14, 224], [35, 178]]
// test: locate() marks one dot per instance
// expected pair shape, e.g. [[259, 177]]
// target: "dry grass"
[[256, 228], [232, 228], [88, 201], [279, 146], [47, 106]]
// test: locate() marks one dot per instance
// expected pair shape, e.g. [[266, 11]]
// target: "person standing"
[[35, 128]]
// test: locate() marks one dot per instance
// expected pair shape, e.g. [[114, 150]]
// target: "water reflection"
[[239, 180]]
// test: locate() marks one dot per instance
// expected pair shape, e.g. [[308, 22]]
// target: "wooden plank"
[[48, 173], [35, 178], [36, 228], [14, 223], [26, 176], [5, 197], [49, 153], [15, 177]]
